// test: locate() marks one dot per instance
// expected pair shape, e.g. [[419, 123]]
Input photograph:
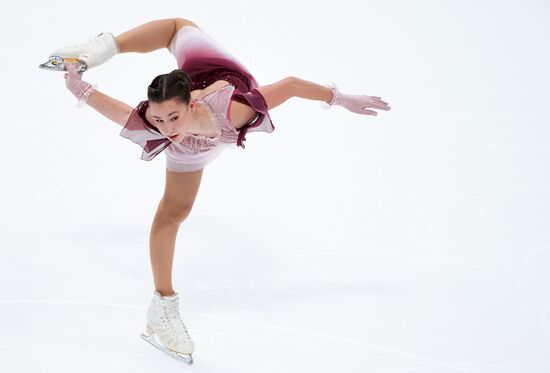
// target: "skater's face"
[[172, 118]]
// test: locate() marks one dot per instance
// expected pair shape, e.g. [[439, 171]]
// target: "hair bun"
[[176, 83], [180, 75]]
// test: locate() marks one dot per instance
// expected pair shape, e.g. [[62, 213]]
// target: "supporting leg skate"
[[150, 338]]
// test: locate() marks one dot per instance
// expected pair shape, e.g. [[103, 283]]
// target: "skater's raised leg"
[[151, 36], [145, 38]]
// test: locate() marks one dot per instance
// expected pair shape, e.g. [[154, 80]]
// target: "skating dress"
[[206, 61]]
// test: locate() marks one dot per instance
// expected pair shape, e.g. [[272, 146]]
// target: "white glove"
[[78, 87], [355, 103]]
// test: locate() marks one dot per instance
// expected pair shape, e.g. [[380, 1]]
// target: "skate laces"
[[172, 315], [96, 41]]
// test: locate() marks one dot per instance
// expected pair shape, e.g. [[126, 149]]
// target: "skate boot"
[[85, 56], [164, 322]]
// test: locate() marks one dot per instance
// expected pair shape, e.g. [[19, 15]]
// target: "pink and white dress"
[[205, 61]]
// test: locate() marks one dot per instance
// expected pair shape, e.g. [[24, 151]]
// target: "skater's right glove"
[[78, 87]]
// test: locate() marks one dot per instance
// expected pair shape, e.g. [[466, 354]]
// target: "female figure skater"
[[192, 114]]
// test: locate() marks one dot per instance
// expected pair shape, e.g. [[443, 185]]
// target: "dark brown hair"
[[175, 84]]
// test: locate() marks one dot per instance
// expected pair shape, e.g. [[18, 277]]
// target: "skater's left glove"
[[355, 103], [78, 87]]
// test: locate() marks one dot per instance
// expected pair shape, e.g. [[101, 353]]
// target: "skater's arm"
[[277, 93], [109, 107]]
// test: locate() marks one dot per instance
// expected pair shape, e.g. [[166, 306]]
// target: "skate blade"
[[57, 63], [188, 359]]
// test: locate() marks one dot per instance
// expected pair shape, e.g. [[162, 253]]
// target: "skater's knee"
[[182, 22], [173, 214], [178, 24], [179, 194]]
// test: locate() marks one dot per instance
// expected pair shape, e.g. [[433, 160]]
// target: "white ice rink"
[[416, 241]]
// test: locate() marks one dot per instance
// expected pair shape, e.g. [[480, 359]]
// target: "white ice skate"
[[164, 323], [87, 55]]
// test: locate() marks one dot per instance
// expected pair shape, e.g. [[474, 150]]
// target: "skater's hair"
[[175, 84]]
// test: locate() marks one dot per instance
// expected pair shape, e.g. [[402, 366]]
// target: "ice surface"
[[415, 241]]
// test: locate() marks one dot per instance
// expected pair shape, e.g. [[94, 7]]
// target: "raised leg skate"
[[57, 63], [87, 55], [165, 329]]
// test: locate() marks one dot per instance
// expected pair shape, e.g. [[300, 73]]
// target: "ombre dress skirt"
[[206, 61]]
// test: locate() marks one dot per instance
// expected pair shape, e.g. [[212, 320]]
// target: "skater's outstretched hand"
[[358, 103], [74, 83]]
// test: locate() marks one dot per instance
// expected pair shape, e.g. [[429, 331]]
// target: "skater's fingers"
[[369, 112], [70, 68], [73, 74]]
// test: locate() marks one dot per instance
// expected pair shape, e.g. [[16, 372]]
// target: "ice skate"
[[165, 329], [87, 55]]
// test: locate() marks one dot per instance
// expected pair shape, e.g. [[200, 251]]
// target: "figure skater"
[[192, 114]]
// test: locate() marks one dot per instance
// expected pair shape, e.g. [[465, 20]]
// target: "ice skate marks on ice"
[[57, 63], [150, 338]]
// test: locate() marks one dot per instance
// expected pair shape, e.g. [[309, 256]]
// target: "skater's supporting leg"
[[161, 248], [179, 195], [150, 36]]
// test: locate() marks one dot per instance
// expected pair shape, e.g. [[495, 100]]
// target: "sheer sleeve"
[[142, 132]]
